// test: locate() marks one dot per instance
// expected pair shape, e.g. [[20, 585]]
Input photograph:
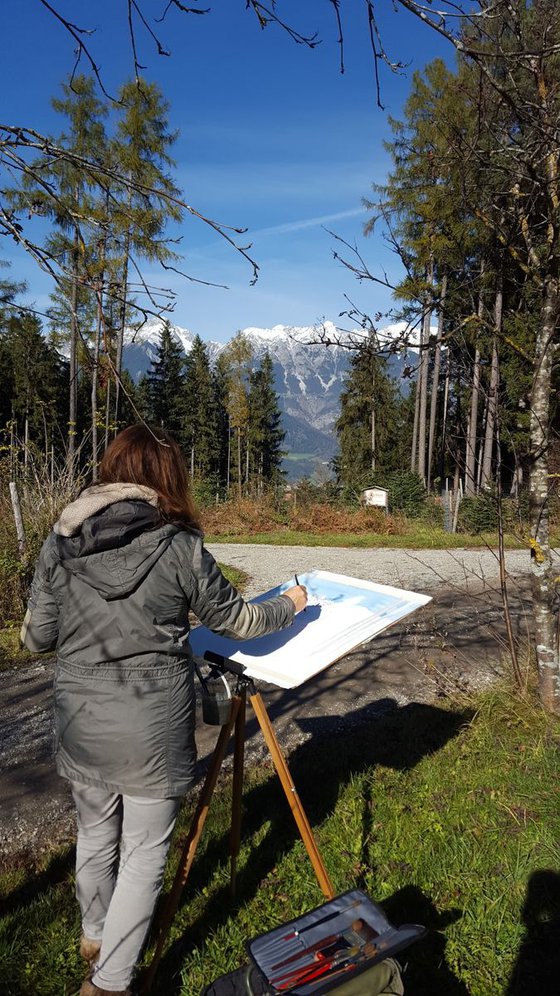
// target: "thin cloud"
[[297, 226]]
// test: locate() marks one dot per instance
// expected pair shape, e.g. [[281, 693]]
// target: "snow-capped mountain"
[[309, 377], [140, 345]]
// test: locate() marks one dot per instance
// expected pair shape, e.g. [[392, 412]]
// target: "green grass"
[[11, 653], [448, 816], [237, 578], [420, 537]]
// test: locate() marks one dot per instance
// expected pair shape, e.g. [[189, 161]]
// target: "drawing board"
[[342, 612]]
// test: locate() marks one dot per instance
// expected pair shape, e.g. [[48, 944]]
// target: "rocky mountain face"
[[309, 378]]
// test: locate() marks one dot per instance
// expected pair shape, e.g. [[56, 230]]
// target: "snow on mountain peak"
[[149, 332]]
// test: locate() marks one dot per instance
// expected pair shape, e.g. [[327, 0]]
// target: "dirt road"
[[453, 643]]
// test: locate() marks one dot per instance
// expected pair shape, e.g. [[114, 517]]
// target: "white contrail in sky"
[[296, 226]]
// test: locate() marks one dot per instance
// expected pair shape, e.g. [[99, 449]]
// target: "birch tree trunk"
[[435, 380], [543, 586]]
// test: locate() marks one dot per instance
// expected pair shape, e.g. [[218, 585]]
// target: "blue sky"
[[272, 138]]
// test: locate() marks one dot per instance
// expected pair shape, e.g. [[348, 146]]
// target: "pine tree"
[[220, 381], [165, 383], [369, 429], [9, 290], [430, 225], [265, 434], [86, 138], [199, 413], [33, 380], [142, 208], [236, 359]]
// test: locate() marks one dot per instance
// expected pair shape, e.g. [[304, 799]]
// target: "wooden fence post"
[[18, 517]]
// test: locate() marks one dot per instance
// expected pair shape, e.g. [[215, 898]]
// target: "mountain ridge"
[[308, 378]]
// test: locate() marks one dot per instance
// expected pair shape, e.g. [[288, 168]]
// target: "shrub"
[[206, 490], [330, 519], [307, 493], [42, 494], [246, 515], [431, 512], [478, 514], [265, 515], [407, 491]]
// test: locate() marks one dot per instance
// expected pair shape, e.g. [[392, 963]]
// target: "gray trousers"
[[121, 851]]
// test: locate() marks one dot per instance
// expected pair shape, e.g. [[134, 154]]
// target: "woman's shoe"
[[90, 989]]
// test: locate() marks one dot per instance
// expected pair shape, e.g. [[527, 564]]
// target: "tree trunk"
[[444, 419], [470, 455], [543, 586], [373, 441], [490, 434], [435, 381], [239, 480], [228, 475], [107, 414], [423, 381], [413, 452], [122, 323], [517, 480], [481, 448], [74, 331], [94, 382]]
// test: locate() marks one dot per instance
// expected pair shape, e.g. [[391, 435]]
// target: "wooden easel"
[[236, 724]]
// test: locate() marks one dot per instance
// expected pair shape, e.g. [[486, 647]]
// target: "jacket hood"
[[111, 537], [97, 497]]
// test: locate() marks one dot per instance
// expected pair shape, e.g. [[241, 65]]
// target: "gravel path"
[[450, 644], [421, 570]]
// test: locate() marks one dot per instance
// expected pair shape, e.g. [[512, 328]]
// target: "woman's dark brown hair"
[[140, 455]]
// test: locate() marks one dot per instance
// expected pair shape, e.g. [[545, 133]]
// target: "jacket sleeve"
[[40, 626], [221, 608]]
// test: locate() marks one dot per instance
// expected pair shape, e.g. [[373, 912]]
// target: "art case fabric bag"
[[383, 979]]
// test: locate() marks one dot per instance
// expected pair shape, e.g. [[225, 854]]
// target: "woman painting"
[[112, 592]]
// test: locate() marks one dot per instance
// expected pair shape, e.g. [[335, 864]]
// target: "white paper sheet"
[[341, 613]]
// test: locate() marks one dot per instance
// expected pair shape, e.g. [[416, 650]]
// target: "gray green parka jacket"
[[112, 591]]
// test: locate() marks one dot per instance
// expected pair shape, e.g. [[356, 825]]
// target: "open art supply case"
[[325, 948], [335, 948]]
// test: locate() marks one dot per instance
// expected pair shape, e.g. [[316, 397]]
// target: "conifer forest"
[[471, 208]]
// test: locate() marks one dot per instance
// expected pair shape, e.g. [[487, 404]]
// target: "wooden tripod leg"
[[294, 801], [237, 788], [189, 850]]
